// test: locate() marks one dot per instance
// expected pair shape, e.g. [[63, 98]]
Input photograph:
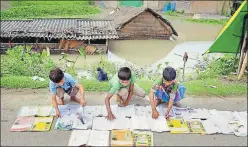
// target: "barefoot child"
[[64, 83], [166, 89], [124, 84]]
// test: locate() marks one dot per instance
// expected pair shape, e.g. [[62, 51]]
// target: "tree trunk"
[[242, 53], [243, 67]]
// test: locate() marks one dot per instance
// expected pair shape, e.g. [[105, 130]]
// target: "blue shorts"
[[164, 97]]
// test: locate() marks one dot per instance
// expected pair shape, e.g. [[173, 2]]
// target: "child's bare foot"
[[119, 99]]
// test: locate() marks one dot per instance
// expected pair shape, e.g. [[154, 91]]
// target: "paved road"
[[12, 100]]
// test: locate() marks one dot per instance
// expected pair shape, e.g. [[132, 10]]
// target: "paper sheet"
[[79, 137], [28, 111], [44, 110], [101, 124], [93, 110], [210, 127], [99, 138], [140, 123], [158, 125], [126, 111], [141, 111], [198, 113]]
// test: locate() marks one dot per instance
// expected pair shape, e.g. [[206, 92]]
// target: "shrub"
[[18, 62]]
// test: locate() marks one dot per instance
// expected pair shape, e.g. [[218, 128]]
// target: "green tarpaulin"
[[229, 37], [132, 3]]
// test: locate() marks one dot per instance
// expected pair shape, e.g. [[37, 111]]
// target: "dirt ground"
[[13, 100]]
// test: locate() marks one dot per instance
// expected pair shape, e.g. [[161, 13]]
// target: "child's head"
[[57, 76], [124, 75], [169, 74]]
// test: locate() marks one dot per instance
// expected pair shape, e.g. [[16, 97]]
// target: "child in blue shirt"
[[61, 83]]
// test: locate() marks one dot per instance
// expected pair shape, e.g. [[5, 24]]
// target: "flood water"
[[146, 52]]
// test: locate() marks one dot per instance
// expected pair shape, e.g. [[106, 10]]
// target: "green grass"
[[223, 89], [48, 9], [195, 87], [208, 21]]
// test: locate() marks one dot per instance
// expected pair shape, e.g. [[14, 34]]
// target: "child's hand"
[[167, 115], [57, 113], [155, 114], [110, 116], [83, 102]]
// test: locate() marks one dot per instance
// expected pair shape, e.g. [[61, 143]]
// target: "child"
[[167, 90], [123, 84], [64, 83]]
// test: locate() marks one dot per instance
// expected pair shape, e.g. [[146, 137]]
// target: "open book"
[[40, 110], [79, 137], [143, 138], [177, 126]]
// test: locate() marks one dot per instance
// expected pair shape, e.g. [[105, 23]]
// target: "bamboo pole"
[[243, 67], [242, 52]]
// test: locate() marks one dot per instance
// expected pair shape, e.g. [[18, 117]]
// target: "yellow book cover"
[[121, 138], [177, 126], [195, 126], [143, 138], [42, 124]]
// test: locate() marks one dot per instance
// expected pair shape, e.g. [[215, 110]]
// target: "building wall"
[[145, 26]]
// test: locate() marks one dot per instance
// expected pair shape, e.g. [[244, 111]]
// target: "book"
[[195, 126], [158, 125], [79, 138], [42, 124], [140, 123], [144, 138], [22, 124], [27, 111], [177, 126], [99, 138], [103, 124], [40, 110], [121, 138], [44, 110]]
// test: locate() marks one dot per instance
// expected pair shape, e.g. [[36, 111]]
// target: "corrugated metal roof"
[[78, 29], [14, 27]]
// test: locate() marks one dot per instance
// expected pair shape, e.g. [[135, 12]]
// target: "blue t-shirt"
[[69, 82]]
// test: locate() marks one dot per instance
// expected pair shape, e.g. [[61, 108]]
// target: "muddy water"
[[146, 52], [81, 61]]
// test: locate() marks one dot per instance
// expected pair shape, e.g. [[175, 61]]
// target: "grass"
[[195, 87], [48, 9], [223, 89], [208, 21]]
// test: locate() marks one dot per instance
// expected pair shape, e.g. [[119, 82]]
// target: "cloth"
[[102, 76], [123, 93], [69, 83], [165, 97], [116, 85], [168, 88], [73, 91]]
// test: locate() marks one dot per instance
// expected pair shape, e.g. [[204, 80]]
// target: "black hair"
[[56, 75], [169, 74], [124, 74]]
